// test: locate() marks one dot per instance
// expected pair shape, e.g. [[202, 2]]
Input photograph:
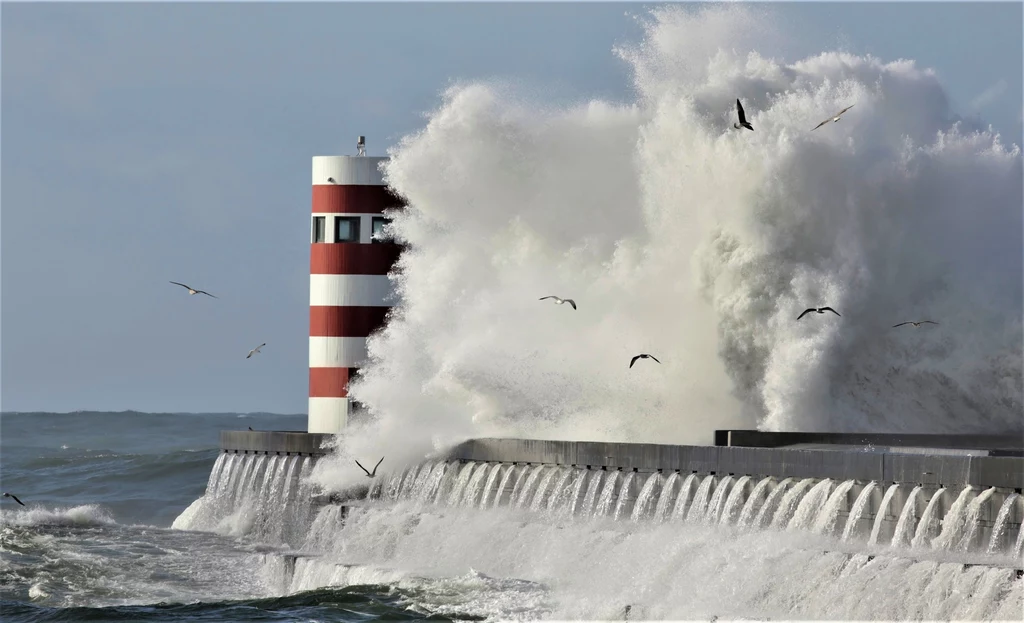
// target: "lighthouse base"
[[328, 415]]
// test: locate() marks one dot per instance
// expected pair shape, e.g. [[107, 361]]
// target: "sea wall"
[[890, 465], [894, 477], [928, 460]]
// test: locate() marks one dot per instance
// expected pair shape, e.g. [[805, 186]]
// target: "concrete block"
[[989, 471], [927, 469], [274, 442], [515, 450], [754, 438]]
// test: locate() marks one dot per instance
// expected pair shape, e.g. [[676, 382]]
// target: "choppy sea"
[[94, 541], [139, 517]]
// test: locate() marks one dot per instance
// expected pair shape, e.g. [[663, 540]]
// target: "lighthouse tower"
[[348, 283]]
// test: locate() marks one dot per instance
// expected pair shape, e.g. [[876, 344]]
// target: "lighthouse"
[[348, 285]]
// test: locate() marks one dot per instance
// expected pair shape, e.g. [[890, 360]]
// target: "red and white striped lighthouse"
[[348, 283]]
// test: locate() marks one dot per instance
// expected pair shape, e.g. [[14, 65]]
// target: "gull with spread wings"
[[370, 474], [642, 356], [834, 119], [192, 290], [255, 350], [743, 118], [559, 301], [820, 310], [916, 324]]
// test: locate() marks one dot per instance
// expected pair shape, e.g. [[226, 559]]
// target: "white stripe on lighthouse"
[[349, 290], [337, 352], [327, 415]]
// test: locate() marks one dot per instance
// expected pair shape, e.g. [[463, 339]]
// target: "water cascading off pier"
[[525, 508]]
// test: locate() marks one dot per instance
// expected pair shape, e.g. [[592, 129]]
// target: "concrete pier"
[[894, 469], [888, 464], [927, 460], [931, 464]]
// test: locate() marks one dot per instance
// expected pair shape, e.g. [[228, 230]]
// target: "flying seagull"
[[192, 290], [11, 495], [559, 301], [916, 324], [255, 350], [832, 119], [820, 310], [642, 356], [743, 118], [374, 472]]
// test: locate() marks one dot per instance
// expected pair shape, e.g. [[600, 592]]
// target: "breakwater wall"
[[886, 488]]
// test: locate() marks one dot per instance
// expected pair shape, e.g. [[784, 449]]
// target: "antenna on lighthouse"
[[361, 145]]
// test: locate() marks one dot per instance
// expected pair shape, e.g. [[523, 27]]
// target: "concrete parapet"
[[840, 464], [1008, 444], [274, 442]]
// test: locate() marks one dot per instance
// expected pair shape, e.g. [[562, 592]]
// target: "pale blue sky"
[[143, 143]]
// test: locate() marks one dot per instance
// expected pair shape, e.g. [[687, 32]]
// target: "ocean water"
[[138, 517], [95, 540]]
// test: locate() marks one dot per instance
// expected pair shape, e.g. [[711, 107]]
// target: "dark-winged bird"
[[192, 290], [820, 310], [743, 118], [642, 356], [374, 472], [916, 324], [11, 495]]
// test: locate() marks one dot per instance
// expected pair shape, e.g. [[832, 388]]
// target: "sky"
[[144, 143]]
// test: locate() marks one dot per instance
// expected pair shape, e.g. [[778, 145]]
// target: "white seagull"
[[255, 350], [559, 301], [916, 324], [642, 356], [192, 290], [743, 118], [832, 119], [820, 310]]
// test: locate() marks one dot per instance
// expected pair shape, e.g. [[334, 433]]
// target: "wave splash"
[[680, 236]]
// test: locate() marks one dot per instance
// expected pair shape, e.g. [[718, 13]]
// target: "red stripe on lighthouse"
[[345, 321], [351, 258], [328, 382], [339, 199]]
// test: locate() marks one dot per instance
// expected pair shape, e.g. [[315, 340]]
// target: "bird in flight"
[[642, 356], [916, 324], [192, 290], [820, 310], [559, 301], [11, 495], [832, 119], [255, 350], [743, 118], [368, 473]]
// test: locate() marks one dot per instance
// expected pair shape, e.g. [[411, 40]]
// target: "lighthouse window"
[[378, 228], [319, 228], [346, 229]]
